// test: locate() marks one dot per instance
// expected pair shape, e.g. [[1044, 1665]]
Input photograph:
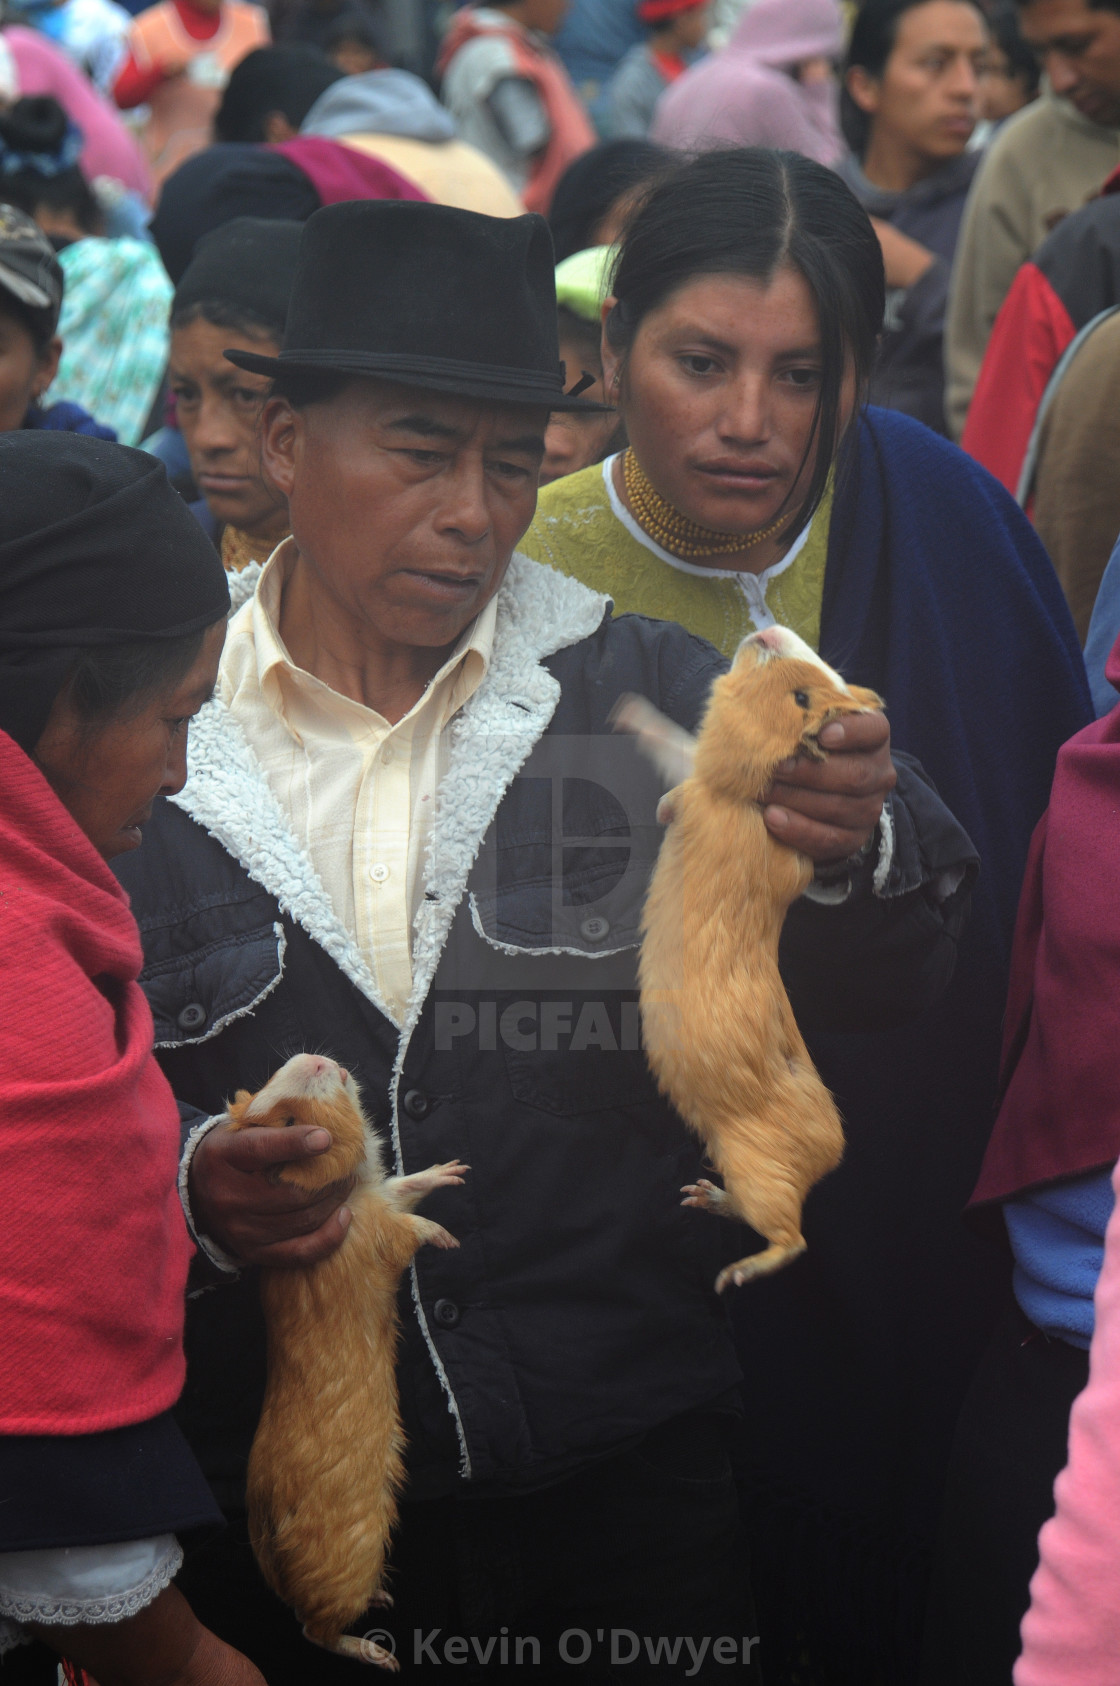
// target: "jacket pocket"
[[196, 994]]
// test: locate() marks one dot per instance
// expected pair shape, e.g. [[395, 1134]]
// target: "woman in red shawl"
[[112, 616], [1048, 1174]]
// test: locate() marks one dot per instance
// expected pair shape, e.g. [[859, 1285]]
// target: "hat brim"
[[459, 381]]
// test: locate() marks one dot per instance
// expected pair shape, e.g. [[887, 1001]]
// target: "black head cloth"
[[249, 263], [95, 549]]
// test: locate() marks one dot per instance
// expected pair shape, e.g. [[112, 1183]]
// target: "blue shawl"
[[938, 595]]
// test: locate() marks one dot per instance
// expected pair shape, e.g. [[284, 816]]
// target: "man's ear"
[[281, 430], [864, 89]]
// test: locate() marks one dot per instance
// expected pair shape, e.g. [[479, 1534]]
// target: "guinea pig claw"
[[705, 1195]]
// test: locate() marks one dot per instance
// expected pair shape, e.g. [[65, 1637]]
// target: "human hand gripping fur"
[[718, 1029], [328, 1458]]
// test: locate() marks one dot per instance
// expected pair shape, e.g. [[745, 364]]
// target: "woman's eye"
[[803, 379], [697, 364], [801, 698]]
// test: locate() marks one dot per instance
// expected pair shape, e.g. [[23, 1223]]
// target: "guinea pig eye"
[[801, 698], [288, 1122]]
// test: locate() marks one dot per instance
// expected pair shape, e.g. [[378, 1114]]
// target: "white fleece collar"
[[539, 612]]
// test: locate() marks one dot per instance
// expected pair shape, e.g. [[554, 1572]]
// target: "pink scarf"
[[93, 1246]]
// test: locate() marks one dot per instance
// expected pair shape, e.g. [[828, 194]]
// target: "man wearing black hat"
[[411, 839]]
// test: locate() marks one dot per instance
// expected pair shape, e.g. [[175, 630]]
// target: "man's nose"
[[463, 508]]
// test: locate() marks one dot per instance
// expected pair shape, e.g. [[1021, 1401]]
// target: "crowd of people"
[[370, 424]]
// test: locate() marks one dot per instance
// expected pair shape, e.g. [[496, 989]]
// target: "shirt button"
[[594, 929], [386, 757], [417, 1104], [379, 873], [192, 1017], [446, 1313]]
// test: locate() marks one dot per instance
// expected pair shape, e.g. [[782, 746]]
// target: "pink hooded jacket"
[[745, 94], [1071, 1633]]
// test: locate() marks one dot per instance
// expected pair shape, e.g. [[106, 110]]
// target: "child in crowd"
[[180, 54], [677, 30], [575, 439], [31, 286], [511, 96], [114, 310], [232, 296]]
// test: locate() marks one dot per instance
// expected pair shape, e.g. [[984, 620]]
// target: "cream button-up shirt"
[[358, 793]]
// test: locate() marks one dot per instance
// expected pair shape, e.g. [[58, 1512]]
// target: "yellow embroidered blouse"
[[582, 528]]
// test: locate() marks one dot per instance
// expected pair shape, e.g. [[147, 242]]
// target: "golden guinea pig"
[[327, 1460], [718, 1029]]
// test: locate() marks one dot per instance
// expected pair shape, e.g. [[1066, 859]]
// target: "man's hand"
[[829, 809], [238, 1201]]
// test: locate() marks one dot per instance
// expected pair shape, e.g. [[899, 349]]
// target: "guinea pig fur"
[[718, 1029], [327, 1460]]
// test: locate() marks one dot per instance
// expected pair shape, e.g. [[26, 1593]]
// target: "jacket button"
[[594, 929], [446, 1313], [192, 1017], [417, 1104]]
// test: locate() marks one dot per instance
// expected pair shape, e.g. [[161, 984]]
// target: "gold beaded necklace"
[[674, 532]]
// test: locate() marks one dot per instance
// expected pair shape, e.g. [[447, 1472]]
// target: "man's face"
[[1079, 50], [406, 505]]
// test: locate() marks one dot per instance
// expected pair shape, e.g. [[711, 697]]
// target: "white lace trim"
[[53, 1610]]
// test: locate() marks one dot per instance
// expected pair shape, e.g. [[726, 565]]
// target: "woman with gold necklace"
[[747, 300]]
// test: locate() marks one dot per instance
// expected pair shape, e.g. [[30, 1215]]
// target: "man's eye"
[[511, 470]]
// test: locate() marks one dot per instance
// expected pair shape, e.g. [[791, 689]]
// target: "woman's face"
[[719, 395], [25, 372], [575, 439], [218, 407], [109, 776]]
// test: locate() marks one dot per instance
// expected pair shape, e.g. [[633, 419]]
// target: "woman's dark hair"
[[288, 79], [1003, 21], [38, 163], [594, 183], [110, 680], [752, 212], [238, 318], [874, 34]]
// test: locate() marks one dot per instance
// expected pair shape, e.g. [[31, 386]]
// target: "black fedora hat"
[[429, 296]]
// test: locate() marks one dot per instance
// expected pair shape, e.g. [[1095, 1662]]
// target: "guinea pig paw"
[[434, 1235], [706, 1196]]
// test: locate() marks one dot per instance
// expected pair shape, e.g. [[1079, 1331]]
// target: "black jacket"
[[578, 1311]]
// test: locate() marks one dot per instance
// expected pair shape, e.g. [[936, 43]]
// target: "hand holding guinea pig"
[[829, 809]]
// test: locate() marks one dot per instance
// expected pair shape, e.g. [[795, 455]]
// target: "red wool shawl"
[[1060, 1114], [93, 1246]]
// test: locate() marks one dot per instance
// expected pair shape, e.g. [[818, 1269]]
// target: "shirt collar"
[[283, 684]]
